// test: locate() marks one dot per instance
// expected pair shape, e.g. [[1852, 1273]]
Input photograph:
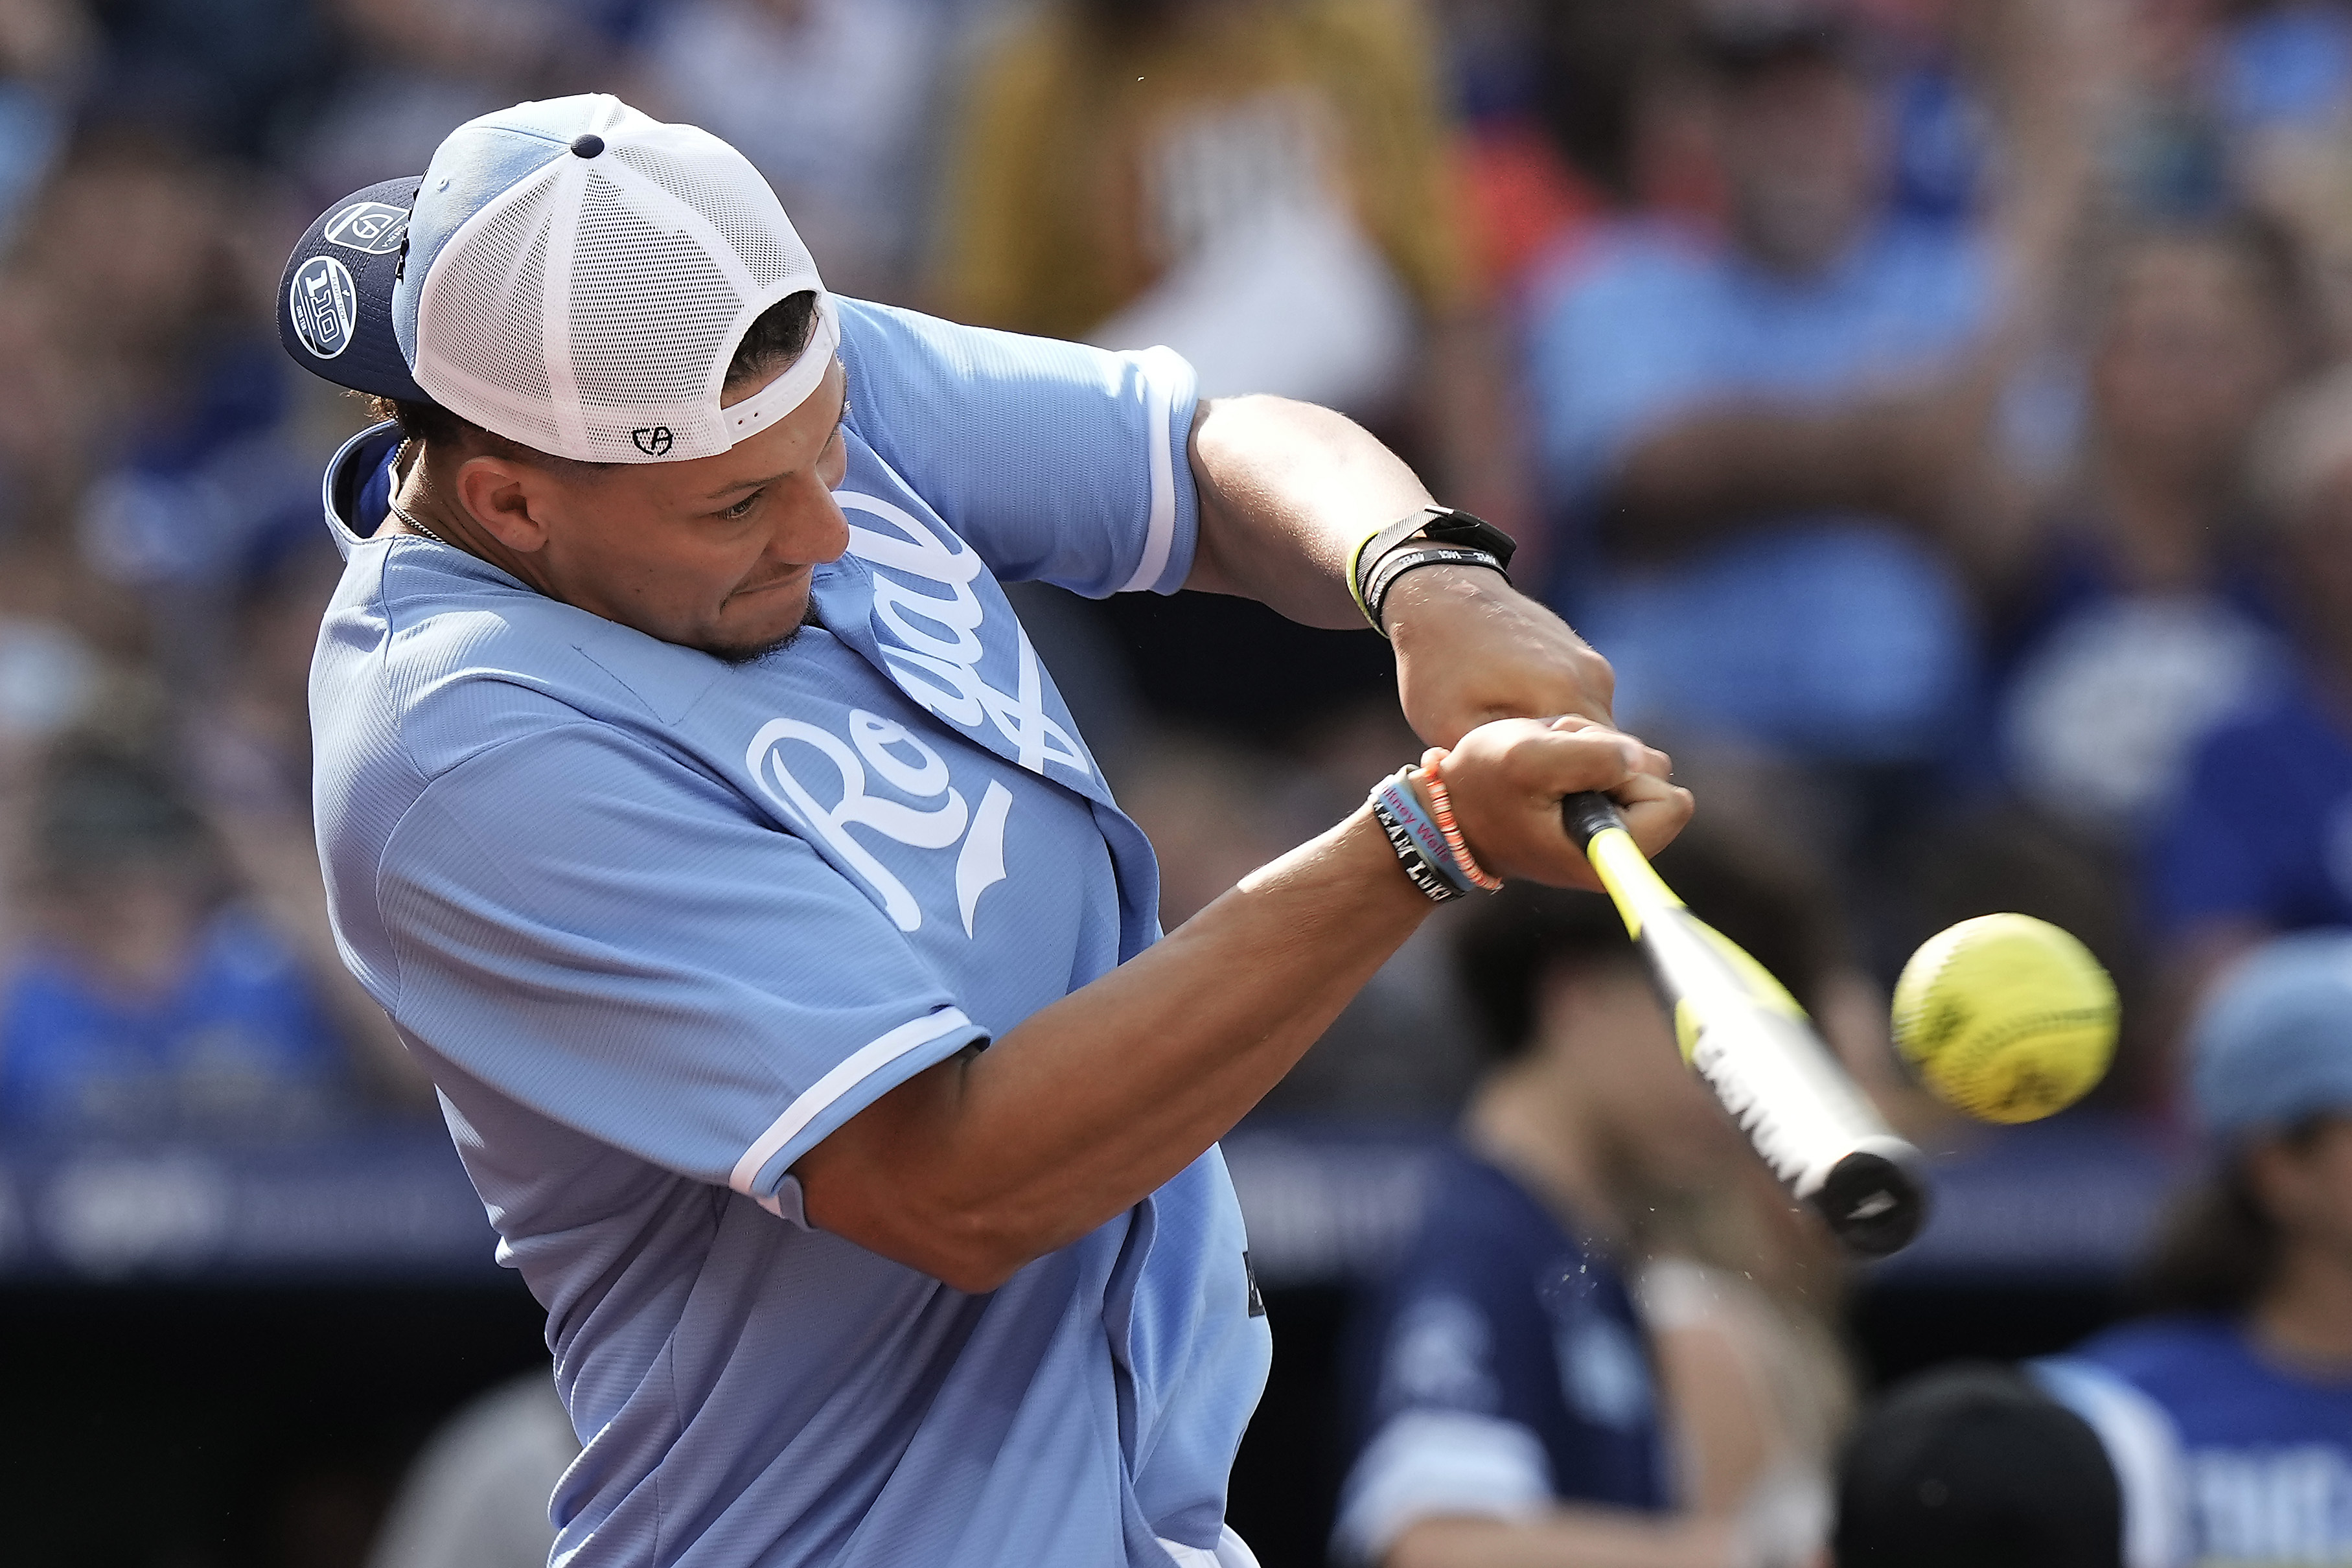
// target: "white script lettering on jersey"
[[879, 742], [951, 653], [930, 640]]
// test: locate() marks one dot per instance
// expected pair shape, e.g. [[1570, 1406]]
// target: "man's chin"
[[751, 651]]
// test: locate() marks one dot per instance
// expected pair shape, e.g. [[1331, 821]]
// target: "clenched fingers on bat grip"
[[1507, 778]]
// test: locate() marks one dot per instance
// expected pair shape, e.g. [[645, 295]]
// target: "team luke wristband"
[[1425, 871]]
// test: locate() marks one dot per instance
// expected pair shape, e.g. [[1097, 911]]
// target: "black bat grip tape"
[[1586, 813]]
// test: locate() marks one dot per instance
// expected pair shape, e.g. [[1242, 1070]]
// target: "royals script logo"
[[882, 779]]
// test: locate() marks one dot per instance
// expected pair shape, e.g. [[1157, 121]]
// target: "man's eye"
[[743, 508]]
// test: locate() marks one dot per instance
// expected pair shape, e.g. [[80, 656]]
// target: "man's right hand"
[[1507, 779]]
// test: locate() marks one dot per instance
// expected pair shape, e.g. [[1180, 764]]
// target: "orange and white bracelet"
[[1441, 806]]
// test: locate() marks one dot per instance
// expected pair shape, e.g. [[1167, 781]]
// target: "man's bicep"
[[620, 945], [1056, 462]]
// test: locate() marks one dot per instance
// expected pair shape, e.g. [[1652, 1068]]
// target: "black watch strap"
[[1441, 525]]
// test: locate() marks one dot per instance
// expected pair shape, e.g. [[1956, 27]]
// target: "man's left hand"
[[1470, 648]]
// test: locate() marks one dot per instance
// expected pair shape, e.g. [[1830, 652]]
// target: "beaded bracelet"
[[1441, 806]]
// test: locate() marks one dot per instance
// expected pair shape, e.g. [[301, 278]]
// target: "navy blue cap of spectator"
[[2274, 1047], [334, 304], [1972, 1466]]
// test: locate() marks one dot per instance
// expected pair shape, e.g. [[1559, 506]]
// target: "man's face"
[[715, 553], [1801, 147], [2308, 1187], [2191, 353], [1649, 1110]]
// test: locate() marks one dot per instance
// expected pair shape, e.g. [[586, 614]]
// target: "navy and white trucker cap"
[[571, 275]]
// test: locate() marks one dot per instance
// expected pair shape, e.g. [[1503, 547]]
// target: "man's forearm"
[[1287, 490], [1100, 1098]]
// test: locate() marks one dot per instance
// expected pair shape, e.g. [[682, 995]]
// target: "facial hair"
[[737, 658]]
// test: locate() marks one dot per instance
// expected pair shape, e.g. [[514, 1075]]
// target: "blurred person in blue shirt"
[[2252, 1354], [1764, 432], [144, 1002], [1547, 1374], [2259, 840], [2139, 613]]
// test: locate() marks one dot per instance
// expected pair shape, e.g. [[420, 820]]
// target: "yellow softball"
[[2006, 1017]]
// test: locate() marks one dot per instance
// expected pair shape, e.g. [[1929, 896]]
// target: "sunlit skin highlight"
[[715, 553]]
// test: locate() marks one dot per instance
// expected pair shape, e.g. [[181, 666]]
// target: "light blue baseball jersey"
[[658, 924]]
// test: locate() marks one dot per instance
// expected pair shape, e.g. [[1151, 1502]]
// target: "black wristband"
[[1398, 562], [1419, 869], [1441, 525]]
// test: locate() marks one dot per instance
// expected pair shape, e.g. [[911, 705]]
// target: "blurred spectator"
[[2252, 1355], [2286, 65], [2140, 615], [1970, 1465], [146, 1002], [1569, 116], [479, 1495], [234, 77], [1511, 1391], [45, 47], [1768, 435], [2260, 839], [179, 426], [828, 98], [1258, 184], [410, 71]]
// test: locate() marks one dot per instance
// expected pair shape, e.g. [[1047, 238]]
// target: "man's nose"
[[817, 529]]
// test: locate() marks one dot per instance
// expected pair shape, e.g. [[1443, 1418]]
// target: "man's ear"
[[507, 499]]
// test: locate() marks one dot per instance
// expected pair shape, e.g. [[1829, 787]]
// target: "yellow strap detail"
[[1355, 573]]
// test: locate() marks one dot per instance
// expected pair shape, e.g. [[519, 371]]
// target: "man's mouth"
[[796, 575]]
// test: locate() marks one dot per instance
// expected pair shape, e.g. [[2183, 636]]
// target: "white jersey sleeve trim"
[[2142, 1445], [1161, 368], [1429, 1463], [868, 1059]]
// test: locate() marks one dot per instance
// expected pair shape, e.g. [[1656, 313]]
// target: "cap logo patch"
[[323, 304], [653, 440], [373, 228]]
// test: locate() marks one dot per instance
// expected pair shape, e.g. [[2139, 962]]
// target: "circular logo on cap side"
[[375, 228], [324, 306], [653, 440]]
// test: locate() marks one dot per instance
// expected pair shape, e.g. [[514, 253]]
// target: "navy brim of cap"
[[334, 304]]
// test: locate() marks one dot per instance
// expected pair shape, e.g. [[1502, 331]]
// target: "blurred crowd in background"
[[1927, 404], [1939, 411]]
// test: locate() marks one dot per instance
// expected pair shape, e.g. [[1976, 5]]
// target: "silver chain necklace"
[[418, 527], [393, 507]]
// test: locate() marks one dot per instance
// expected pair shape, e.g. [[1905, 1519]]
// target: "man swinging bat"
[[695, 804]]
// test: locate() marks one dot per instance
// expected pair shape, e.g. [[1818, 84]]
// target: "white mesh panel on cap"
[[591, 310], [757, 231], [649, 309], [481, 349]]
